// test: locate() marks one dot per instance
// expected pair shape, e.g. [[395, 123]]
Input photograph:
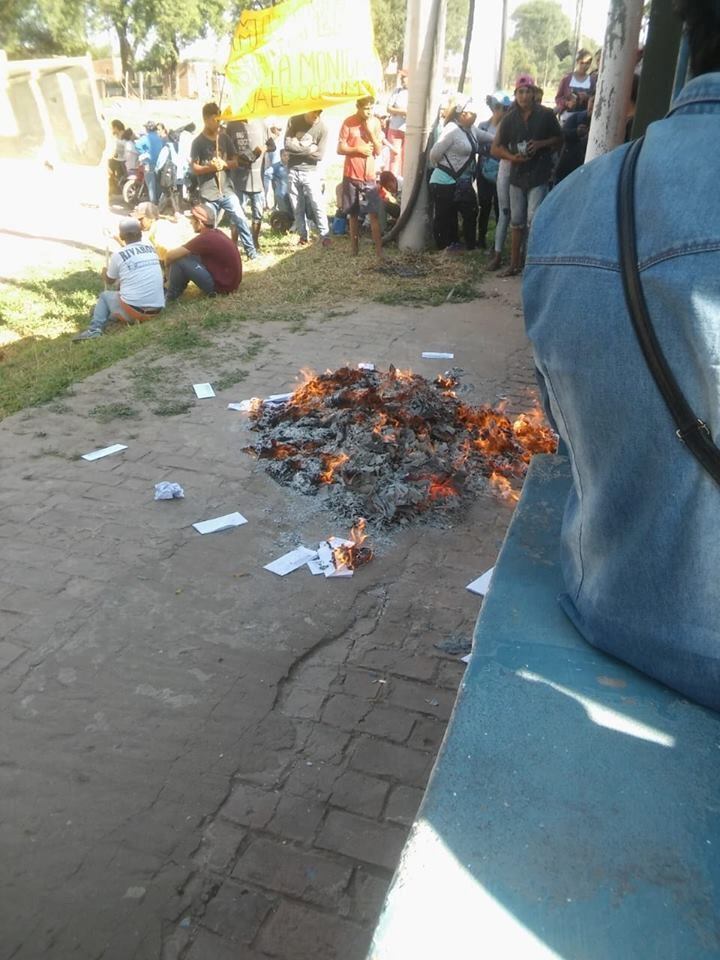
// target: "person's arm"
[[444, 142], [562, 93], [320, 142], [177, 254], [375, 133], [551, 142], [362, 149], [499, 148]]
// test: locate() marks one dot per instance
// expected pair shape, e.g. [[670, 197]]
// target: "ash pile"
[[393, 446]]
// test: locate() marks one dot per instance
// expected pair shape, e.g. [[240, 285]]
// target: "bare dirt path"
[[198, 759]]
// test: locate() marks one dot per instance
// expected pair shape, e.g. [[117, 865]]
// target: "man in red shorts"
[[360, 142], [211, 260]]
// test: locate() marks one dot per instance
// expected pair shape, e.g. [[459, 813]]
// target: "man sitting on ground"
[[211, 260], [136, 268], [162, 233]]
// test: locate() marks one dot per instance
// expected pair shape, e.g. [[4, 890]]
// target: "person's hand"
[[532, 146], [519, 158], [218, 163], [364, 149]]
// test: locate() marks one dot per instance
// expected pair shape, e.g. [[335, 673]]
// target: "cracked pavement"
[[200, 760]]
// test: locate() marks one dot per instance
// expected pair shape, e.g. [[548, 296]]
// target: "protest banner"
[[300, 55]]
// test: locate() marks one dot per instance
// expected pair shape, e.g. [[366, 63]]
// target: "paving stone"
[[367, 896], [304, 703], [305, 874], [358, 683], [383, 759], [450, 673], [297, 932], [9, 652], [388, 723], [313, 780], [325, 743], [360, 794], [315, 676], [362, 839], [423, 698], [403, 805], [345, 712], [208, 946], [220, 844], [296, 818], [237, 911], [250, 806], [427, 734]]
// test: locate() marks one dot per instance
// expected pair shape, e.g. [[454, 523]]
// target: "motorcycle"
[[134, 189]]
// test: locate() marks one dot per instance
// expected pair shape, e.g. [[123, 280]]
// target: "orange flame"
[[502, 486], [332, 464], [441, 488], [356, 554]]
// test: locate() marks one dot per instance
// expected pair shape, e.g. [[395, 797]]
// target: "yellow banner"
[[301, 55]]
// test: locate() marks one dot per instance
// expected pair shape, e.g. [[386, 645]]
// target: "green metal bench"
[[573, 811]]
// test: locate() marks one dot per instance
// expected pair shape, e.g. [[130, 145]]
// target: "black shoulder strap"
[[690, 429]]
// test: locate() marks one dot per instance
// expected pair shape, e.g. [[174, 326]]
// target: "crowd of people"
[[504, 164]]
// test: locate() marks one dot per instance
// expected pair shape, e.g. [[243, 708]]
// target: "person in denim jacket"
[[641, 531]]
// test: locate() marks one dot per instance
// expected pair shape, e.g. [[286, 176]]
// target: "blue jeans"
[[306, 198], [503, 192], [184, 270], [106, 309], [524, 204], [256, 201], [230, 204]]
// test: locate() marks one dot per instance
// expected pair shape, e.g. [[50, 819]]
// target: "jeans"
[[230, 204], [184, 270], [151, 180], [524, 204], [106, 309], [306, 198], [256, 201], [503, 194], [487, 201]]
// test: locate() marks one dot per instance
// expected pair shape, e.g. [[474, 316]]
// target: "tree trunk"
[[127, 54]]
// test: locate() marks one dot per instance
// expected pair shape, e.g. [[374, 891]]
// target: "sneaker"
[[87, 335]]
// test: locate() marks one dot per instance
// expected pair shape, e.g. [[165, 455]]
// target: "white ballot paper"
[[366, 366], [220, 523], [430, 355], [203, 390], [105, 452], [466, 658], [291, 561], [277, 398], [481, 585], [243, 407]]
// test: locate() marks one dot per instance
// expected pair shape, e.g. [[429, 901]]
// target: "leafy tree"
[[456, 23], [389, 26], [43, 28], [539, 26], [175, 24]]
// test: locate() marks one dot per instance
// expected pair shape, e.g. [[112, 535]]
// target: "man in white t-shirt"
[[136, 270]]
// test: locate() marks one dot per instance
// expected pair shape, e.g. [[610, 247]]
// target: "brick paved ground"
[[200, 760]]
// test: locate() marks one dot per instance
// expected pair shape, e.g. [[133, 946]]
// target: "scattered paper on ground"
[[431, 355], [168, 491], [105, 452], [244, 407], [220, 523], [291, 561], [482, 584], [203, 391], [366, 366], [466, 658]]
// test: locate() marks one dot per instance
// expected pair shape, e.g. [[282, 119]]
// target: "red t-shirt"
[[353, 131], [220, 256]]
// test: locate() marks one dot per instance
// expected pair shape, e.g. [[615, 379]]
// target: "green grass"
[[39, 313], [106, 412]]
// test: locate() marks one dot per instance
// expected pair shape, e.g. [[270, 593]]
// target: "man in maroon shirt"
[[211, 260]]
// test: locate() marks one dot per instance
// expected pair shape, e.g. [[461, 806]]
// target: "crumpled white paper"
[[168, 491]]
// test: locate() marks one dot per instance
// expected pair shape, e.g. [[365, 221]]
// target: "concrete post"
[[612, 96], [424, 54]]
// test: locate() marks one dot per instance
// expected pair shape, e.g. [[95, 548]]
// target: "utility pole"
[[612, 96], [503, 44], [424, 59]]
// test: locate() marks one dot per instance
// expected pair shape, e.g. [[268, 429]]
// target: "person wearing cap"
[[136, 269], [488, 167], [452, 179], [397, 110], [149, 146], [360, 142], [213, 155], [210, 260], [162, 233], [527, 137], [305, 142]]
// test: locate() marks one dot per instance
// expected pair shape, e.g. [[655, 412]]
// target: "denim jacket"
[[641, 531]]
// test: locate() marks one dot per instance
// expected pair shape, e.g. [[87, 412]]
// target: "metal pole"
[[612, 96], [468, 44], [424, 52], [503, 45]]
